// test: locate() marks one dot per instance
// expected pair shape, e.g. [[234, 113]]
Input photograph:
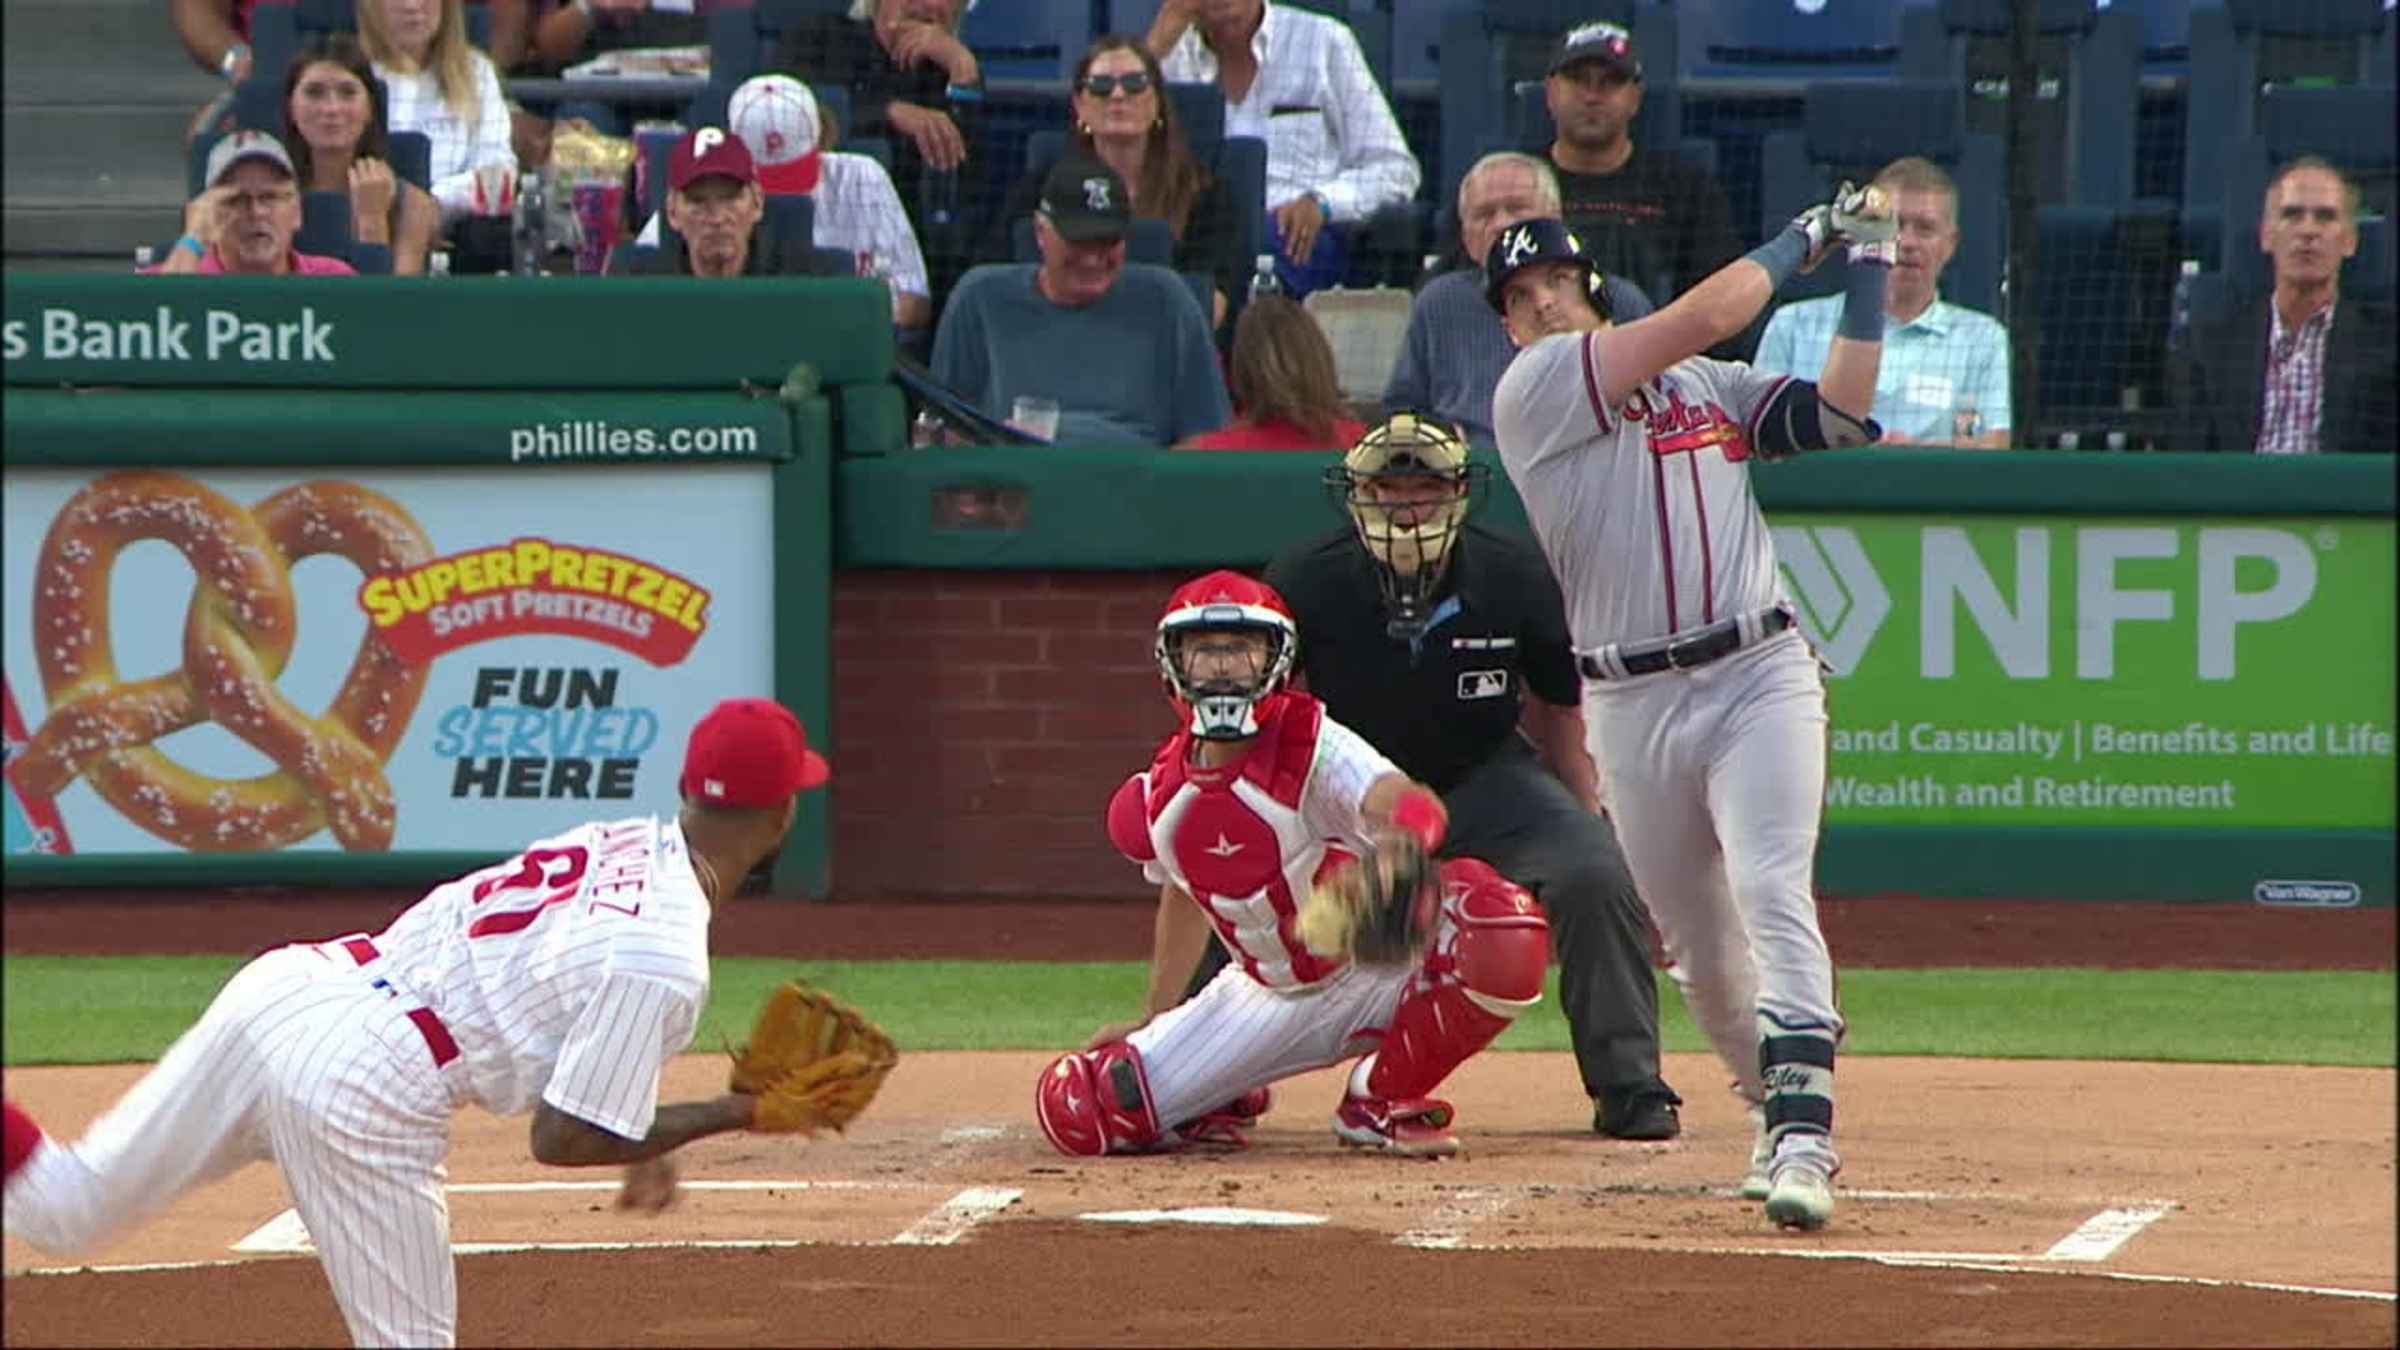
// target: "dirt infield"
[[1986, 1202]]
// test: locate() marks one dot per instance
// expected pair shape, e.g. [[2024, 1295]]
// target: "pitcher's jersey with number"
[[571, 972], [1644, 509]]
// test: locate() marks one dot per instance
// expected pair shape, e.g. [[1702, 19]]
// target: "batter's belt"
[[1624, 660]]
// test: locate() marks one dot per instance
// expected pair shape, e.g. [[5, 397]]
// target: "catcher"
[[1308, 854], [559, 981]]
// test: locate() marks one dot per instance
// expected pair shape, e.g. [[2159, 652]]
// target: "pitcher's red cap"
[[750, 752]]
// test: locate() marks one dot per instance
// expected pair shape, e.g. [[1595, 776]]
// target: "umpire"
[[1422, 633]]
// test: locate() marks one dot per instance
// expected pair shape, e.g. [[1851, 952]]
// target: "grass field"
[[93, 1010]]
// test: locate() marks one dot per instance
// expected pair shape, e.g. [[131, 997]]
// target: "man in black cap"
[[1648, 215], [1122, 351]]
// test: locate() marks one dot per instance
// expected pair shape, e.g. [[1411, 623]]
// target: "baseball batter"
[[559, 981], [1704, 705], [1256, 799]]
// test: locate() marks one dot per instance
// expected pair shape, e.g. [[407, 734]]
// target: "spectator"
[[439, 84], [217, 35], [715, 213], [242, 223], [1944, 378], [510, 38], [333, 123], [2299, 370], [1120, 113], [857, 209], [910, 78], [1284, 388], [1123, 351], [1455, 348], [1298, 81], [575, 31], [1643, 214]]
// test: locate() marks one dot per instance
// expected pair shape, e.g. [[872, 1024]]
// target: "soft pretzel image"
[[237, 638]]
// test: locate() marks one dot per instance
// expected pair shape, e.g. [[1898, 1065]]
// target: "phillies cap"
[[749, 752], [776, 117], [242, 145], [1607, 43], [710, 151], [1084, 200]]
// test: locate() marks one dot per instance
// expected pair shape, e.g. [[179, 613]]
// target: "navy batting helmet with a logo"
[[1531, 241]]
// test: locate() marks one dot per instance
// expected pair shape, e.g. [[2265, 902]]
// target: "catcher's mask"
[[1216, 688], [1407, 488], [1531, 241]]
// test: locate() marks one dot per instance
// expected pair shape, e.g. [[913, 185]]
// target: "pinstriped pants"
[[303, 1062]]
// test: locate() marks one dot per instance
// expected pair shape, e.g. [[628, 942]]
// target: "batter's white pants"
[[302, 1061], [1716, 780], [1237, 1034]]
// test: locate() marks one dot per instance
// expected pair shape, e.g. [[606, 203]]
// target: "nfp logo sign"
[[2011, 596]]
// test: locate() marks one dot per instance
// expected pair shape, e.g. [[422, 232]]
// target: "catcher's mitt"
[[812, 1061], [1378, 911]]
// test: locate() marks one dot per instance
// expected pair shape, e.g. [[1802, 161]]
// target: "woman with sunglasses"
[[1120, 112]]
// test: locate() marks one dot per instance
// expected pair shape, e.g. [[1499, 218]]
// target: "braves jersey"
[[1246, 839], [571, 972], [1644, 509]]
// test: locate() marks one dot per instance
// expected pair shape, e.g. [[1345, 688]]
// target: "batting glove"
[[1864, 215]]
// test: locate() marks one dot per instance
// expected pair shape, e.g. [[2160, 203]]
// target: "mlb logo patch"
[[1482, 683]]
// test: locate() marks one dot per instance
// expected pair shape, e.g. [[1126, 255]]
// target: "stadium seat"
[[2242, 48], [412, 157], [2166, 33], [324, 224], [1490, 50], [2086, 131], [1787, 39], [793, 215], [1365, 328], [2086, 298], [1851, 129], [742, 37], [1028, 39]]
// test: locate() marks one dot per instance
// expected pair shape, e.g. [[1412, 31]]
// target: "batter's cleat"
[[1802, 1194], [1645, 1113], [1413, 1127], [1760, 1179], [1227, 1126]]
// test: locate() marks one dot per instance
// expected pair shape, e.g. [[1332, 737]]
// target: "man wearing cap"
[[559, 982], [1445, 645], [243, 222], [1645, 214], [1454, 350], [713, 212], [857, 209], [1123, 350]]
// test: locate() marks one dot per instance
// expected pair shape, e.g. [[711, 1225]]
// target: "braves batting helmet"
[[1225, 707], [1531, 241]]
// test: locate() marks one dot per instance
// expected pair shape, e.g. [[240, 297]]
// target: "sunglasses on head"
[[1101, 86]]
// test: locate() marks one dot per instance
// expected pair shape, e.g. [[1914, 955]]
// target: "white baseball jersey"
[[570, 972], [1645, 509]]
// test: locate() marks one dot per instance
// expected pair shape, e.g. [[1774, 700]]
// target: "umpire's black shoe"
[[1646, 1113]]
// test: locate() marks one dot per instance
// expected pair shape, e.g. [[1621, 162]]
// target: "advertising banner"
[[2088, 671], [438, 659]]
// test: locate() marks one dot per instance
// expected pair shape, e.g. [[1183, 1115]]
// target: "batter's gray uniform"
[[1714, 769]]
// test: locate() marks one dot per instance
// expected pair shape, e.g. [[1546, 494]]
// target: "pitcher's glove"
[[813, 1062], [1377, 911]]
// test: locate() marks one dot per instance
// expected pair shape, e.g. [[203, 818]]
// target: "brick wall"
[[980, 722]]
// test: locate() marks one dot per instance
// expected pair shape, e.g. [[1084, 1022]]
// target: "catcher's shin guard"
[[1097, 1102], [1487, 968]]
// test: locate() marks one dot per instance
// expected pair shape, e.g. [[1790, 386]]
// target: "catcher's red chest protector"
[[1232, 836]]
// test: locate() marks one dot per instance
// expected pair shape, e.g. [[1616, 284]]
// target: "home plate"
[[1220, 1214]]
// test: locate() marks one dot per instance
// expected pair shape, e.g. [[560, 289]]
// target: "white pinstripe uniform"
[[1715, 773], [570, 972], [1276, 1010]]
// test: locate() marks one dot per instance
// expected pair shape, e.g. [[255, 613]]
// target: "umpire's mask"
[[1407, 487]]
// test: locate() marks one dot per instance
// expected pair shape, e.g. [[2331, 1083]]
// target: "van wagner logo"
[[2307, 894], [1842, 600]]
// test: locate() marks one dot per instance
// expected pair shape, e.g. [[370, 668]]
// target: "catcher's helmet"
[[1225, 707], [1531, 241], [1407, 487]]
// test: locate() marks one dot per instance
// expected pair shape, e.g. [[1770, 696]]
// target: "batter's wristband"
[[1781, 256], [1862, 301], [1420, 813]]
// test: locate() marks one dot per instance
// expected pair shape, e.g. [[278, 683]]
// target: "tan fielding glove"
[[812, 1061]]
